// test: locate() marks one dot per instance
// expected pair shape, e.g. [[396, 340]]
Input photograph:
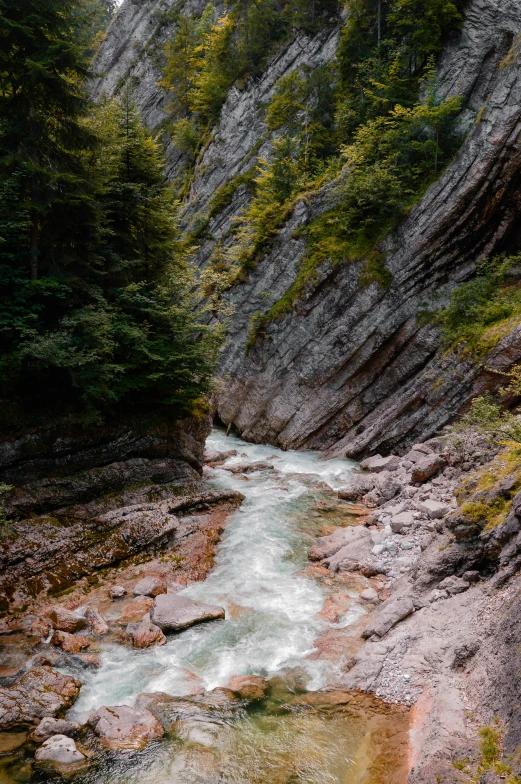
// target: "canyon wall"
[[351, 369]]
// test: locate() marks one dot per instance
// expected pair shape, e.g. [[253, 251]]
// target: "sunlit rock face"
[[351, 369]]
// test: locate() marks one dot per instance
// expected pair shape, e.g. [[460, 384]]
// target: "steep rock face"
[[350, 369]]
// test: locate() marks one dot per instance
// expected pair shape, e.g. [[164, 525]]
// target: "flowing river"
[[271, 624]]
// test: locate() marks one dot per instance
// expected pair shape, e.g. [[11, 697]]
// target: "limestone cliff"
[[350, 369]]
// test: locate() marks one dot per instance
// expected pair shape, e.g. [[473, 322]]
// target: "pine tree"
[[43, 62]]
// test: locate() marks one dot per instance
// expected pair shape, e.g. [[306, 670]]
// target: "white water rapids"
[[271, 607]]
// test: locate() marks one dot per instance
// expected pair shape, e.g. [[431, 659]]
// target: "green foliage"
[[480, 307], [105, 320]]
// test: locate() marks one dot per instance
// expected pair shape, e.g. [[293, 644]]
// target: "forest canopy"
[[96, 309]]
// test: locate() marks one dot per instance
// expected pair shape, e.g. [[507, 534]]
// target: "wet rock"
[[40, 692], [453, 585], [137, 608], [66, 620], [427, 467], [9, 674], [59, 753], [96, 621], [72, 643], [50, 726], [41, 627], [145, 634], [213, 457], [248, 687], [388, 615], [121, 727], [172, 612], [335, 607], [117, 592], [85, 661], [249, 468], [152, 586], [434, 509]]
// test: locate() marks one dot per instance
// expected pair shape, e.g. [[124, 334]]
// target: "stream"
[[271, 624]]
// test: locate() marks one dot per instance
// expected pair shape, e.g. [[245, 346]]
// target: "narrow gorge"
[[260, 378]]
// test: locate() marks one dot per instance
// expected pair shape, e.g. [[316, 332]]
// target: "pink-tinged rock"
[[121, 727], [50, 726], [248, 687], [40, 692], [388, 615], [41, 627], [427, 467], [145, 634], [326, 546], [153, 585], [72, 643], [60, 754], [65, 620], [117, 592], [173, 613], [137, 608], [96, 621]]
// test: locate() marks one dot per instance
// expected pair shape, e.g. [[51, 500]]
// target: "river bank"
[[355, 620]]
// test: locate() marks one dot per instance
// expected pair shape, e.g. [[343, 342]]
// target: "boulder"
[[214, 457], [453, 585], [117, 592], [72, 643], [491, 777], [401, 521], [463, 652], [369, 595], [354, 552], [359, 487], [434, 509], [122, 727], [85, 661], [427, 467], [145, 634], [66, 620], [388, 615], [376, 464], [59, 753], [248, 687], [173, 613], [50, 726], [326, 546], [249, 468], [41, 627], [40, 692], [136, 609], [152, 585], [414, 455], [96, 621]]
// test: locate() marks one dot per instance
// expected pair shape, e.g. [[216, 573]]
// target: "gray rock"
[[369, 595], [60, 753], [434, 509], [471, 576], [402, 521], [490, 777], [50, 726], [463, 652], [325, 546], [360, 486], [377, 464], [388, 615], [121, 727], [453, 585], [173, 613], [355, 551], [151, 585], [436, 594]]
